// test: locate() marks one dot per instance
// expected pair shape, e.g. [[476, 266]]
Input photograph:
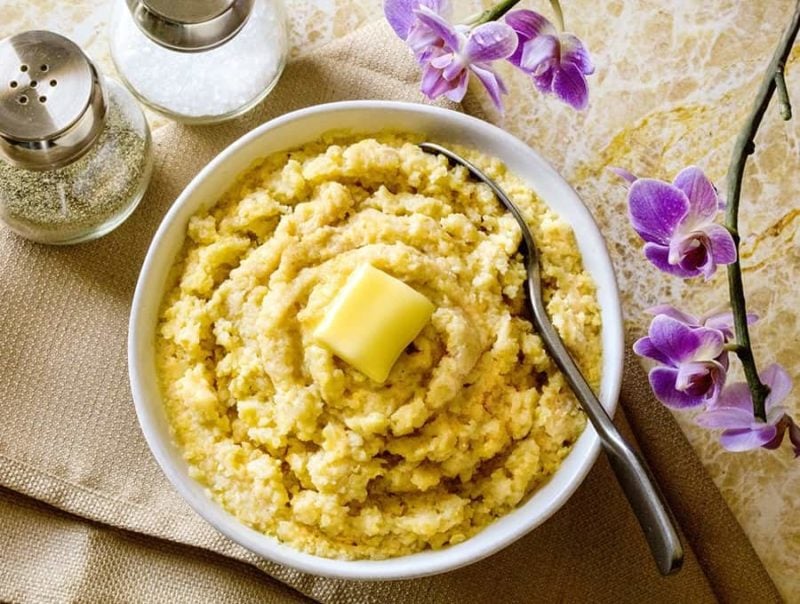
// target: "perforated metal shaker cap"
[[190, 25], [52, 106]]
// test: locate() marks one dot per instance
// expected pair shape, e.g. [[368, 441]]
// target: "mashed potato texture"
[[299, 445]]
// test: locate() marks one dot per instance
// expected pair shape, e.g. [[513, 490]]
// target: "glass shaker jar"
[[75, 151], [199, 61]]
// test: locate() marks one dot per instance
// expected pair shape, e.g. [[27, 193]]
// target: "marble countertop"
[[674, 82]]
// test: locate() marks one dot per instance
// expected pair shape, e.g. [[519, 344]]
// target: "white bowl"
[[295, 129]]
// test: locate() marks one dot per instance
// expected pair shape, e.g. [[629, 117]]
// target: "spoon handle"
[[648, 505], [634, 476]]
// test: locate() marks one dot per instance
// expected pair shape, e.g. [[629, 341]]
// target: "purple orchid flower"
[[721, 321], [557, 62], [677, 222], [734, 413], [693, 361], [449, 53]]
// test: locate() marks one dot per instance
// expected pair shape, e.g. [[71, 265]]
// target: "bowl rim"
[[401, 567]]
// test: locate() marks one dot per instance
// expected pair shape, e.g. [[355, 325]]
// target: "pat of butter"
[[371, 321]]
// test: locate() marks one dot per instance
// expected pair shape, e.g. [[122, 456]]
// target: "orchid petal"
[[400, 13], [433, 84], [658, 255], [570, 85], [544, 80], [492, 82], [719, 375], [573, 51], [736, 396], [711, 344], [746, 439], [442, 61], [423, 43], [673, 338], [682, 343], [624, 174], [529, 24], [723, 248], [644, 347], [457, 92], [440, 26], [490, 42], [703, 199], [779, 382], [678, 315], [662, 380], [656, 208], [725, 417], [723, 321], [537, 54]]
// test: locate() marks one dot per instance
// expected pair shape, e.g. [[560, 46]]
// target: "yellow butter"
[[372, 320]]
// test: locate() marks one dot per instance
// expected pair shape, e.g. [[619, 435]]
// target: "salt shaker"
[[75, 150], [199, 61]]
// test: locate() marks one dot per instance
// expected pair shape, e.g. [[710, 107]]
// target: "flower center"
[[699, 384], [695, 254]]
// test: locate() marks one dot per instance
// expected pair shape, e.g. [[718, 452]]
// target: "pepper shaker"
[[75, 151], [199, 61]]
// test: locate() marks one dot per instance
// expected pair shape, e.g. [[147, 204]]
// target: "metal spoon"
[[632, 473]]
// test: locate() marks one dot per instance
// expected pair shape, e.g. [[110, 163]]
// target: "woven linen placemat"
[[86, 514]]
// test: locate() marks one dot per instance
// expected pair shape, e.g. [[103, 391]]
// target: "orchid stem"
[[497, 11], [556, 5], [783, 93], [745, 144]]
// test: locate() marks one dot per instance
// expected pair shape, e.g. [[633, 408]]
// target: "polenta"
[[301, 446]]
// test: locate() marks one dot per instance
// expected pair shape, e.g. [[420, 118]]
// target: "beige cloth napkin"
[[86, 514]]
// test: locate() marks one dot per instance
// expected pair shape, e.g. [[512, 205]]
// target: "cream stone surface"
[[674, 81]]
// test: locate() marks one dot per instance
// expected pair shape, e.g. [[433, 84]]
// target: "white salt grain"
[[213, 83]]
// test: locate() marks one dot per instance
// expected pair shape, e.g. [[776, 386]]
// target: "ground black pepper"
[[94, 193]]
